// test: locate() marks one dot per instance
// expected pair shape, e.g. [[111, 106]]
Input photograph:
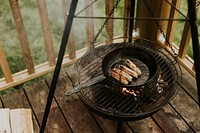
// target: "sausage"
[[124, 74], [133, 66], [118, 77], [128, 71]]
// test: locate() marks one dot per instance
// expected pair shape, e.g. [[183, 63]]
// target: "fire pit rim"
[[126, 117]]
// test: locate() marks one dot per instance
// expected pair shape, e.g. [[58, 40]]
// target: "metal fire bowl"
[[109, 102]]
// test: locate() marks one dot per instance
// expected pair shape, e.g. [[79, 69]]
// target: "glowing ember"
[[161, 84], [127, 91]]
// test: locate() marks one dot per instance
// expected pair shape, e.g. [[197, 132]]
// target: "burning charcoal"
[[123, 89], [126, 91], [157, 84], [159, 89], [161, 84], [133, 93], [137, 92], [141, 89], [161, 81], [133, 66]]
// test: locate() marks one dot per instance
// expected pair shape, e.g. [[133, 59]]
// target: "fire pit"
[[120, 103]]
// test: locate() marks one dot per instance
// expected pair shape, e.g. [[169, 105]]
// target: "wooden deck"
[[69, 114]]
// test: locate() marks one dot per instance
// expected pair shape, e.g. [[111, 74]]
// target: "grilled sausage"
[[124, 74], [133, 66], [118, 77], [128, 71]]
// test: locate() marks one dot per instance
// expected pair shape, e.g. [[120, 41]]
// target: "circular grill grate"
[[107, 100]]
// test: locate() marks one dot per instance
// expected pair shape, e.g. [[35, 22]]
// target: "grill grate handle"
[[86, 85]]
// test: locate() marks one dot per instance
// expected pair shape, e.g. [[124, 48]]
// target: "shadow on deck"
[[69, 114]]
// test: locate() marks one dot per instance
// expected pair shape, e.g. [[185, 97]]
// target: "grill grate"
[[107, 99]]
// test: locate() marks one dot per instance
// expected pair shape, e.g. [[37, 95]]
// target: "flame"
[[127, 91]]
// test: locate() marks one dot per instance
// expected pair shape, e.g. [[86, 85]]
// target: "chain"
[[167, 41], [105, 22], [162, 32]]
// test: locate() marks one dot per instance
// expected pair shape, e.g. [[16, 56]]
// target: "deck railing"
[[146, 28]]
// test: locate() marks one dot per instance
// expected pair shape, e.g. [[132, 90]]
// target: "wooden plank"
[[89, 23], [146, 126], [110, 23], [188, 82], [148, 28], [109, 126], [42, 7], [21, 121], [176, 119], [170, 121], [188, 109], [185, 39], [5, 66], [76, 113], [18, 99], [71, 42], [165, 123], [22, 35], [187, 64], [5, 121], [37, 94]]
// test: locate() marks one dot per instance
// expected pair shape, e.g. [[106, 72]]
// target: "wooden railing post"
[[148, 29], [186, 36], [89, 23], [22, 35], [47, 31], [71, 43], [172, 24], [127, 5], [185, 40], [165, 13], [5, 66], [110, 23]]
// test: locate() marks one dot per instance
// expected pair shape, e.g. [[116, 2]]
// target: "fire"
[[127, 91]]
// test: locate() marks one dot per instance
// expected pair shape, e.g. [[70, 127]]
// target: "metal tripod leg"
[[195, 41], [63, 45], [119, 126], [131, 20]]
